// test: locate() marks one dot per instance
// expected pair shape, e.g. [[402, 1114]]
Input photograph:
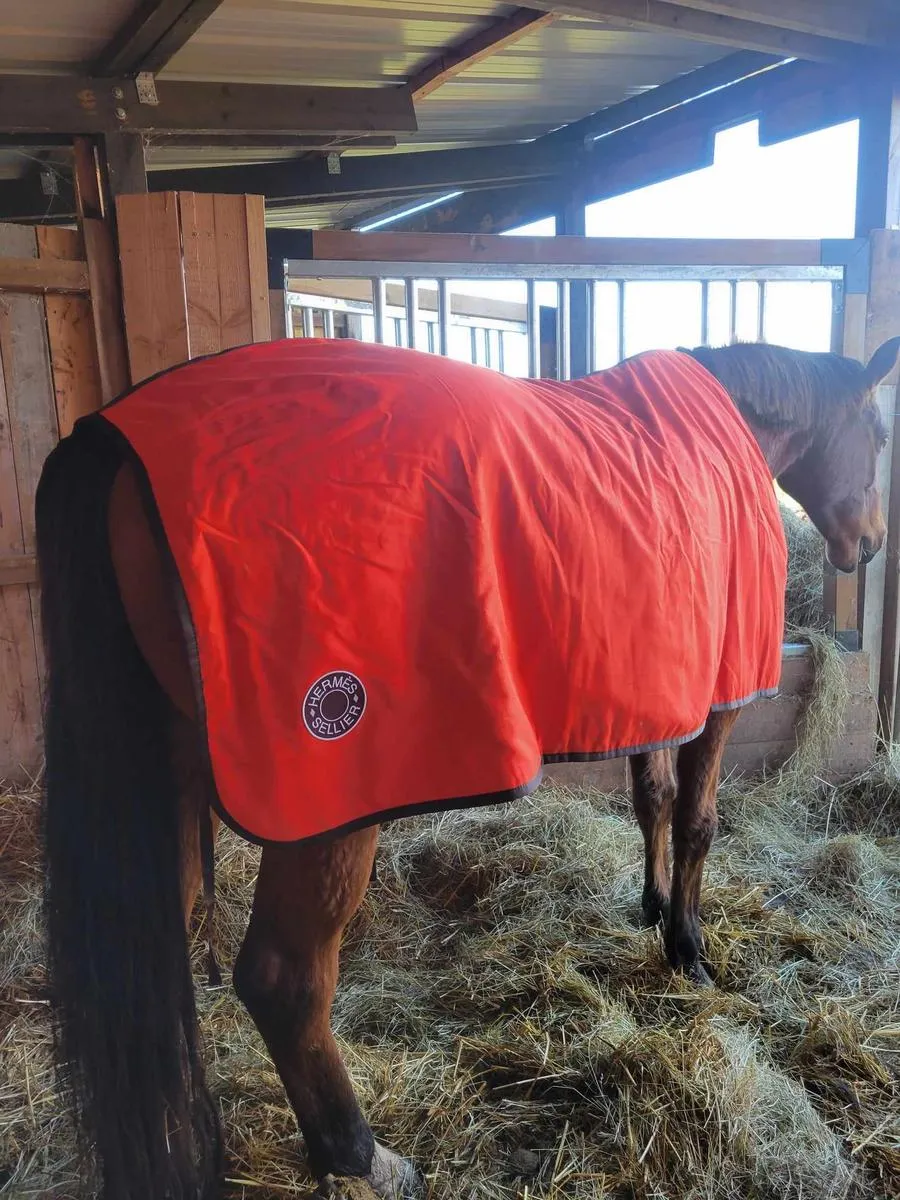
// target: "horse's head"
[[834, 479], [817, 423]]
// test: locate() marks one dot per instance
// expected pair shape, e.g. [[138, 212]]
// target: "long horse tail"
[[127, 1040]]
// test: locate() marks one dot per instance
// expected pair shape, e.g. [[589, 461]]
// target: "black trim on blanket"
[[104, 428]]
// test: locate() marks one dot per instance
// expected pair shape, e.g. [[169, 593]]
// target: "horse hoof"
[[391, 1178], [699, 976]]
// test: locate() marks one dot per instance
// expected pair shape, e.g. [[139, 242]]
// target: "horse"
[[129, 781]]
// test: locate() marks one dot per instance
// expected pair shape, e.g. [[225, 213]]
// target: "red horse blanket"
[[412, 580]]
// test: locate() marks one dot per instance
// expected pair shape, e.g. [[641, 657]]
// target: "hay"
[[806, 557], [507, 1022]]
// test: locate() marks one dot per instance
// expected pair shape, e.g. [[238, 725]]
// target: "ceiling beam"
[[76, 104], [868, 22], [152, 35], [667, 16], [497, 36]]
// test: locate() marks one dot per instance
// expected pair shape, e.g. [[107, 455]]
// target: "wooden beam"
[[666, 16], [341, 245], [152, 36], [497, 36], [123, 164], [866, 22], [76, 104], [36, 275], [18, 569]]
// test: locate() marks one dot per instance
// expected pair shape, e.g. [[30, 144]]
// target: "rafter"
[[868, 22], [74, 104], [152, 35], [497, 36], [668, 16]]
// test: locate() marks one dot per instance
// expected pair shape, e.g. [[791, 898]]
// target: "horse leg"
[[286, 974], [653, 794], [693, 829]]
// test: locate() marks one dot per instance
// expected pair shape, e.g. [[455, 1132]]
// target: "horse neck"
[[782, 443], [781, 448]]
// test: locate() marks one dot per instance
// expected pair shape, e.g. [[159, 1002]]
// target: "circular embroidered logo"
[[333, 705]]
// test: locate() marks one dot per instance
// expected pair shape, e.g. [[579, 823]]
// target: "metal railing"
[[574, 319]]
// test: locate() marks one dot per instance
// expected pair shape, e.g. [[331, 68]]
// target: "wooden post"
[[878, 215], [94, 206], [570, 220], [126, 172]]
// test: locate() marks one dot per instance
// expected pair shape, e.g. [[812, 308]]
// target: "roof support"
[[152, 36], [868, 22], [497, 36], [667, 16], [76, 104]]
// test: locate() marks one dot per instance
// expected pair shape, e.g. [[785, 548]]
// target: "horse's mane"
[[783, 388]]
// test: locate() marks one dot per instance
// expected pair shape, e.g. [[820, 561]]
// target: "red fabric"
[[510, 569]]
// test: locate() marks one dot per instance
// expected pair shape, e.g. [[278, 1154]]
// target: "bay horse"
[[129, 781]]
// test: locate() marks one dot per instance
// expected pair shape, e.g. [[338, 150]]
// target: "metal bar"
[[412, 311], [443, 317], [307, 318], [378, 307], [592, 327], [316, 268], [620, 321], [761, 311], [732, 311], [328, 321], [533, 331], [837, 318], [704, 312], [563, 330]]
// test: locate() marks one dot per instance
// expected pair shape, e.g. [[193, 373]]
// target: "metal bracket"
[[146, 88], [334, 163]]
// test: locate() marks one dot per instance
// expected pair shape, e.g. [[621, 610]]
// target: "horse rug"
[[411, 581]]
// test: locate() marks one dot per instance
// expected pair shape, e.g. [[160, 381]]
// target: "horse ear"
[[882, 361]]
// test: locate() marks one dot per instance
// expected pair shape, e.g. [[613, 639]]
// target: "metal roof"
[[555, 75]]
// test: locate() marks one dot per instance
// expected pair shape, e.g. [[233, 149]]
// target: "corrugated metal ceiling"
[[555, 75]]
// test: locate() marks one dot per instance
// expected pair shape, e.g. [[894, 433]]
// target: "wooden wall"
[[194, 276], [49, 376], [765, 734]]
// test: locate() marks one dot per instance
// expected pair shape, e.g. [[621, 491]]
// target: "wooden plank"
[[234, 270], [499, 35], [201, 273], [255, 217], [152, 35], [33, 275], [667, 16], [17, 569], [568, 251], [33, 432], [772, 720], [20, 694], [864, 21], [156, 324], [126, 170], [851, 756], [79, 104], [610, 775], [277, 313], [106, 308], [70, 334]]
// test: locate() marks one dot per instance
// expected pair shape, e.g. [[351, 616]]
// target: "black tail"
[[121, 987]]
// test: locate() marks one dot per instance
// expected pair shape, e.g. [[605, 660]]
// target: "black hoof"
[[654, 909]]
